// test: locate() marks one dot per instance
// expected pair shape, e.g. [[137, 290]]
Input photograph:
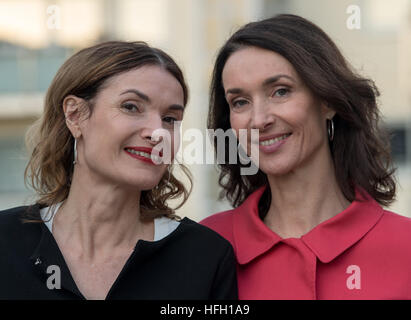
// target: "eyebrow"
[[143, 96], [176, 107], [274, 79], [266, 82], [138, 93]]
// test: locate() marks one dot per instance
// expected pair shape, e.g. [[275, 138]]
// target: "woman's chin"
[[142, 185], [276, 170]]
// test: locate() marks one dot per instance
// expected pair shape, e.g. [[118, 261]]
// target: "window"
[[12, 164], [398, 138]]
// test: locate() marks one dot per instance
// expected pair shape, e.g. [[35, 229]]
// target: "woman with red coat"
[[310, 224]]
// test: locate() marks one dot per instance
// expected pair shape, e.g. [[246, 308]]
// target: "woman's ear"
[[328, 112], [331, 114], [72, 111]]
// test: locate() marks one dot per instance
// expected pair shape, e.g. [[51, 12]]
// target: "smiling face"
[[264, 92], [117, 138]]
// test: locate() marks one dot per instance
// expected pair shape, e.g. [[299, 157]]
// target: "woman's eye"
[[239, 103], [129, 107], [170, 120], [281, 92]]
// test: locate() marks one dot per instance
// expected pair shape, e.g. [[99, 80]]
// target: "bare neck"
[[98, 217], [304, 198]]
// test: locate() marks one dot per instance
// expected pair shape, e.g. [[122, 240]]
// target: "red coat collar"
[[327, 240]]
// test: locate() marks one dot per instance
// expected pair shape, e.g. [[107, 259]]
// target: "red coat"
[[363, 252]]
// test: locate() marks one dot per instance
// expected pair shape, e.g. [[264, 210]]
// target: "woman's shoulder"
[[202, 231], [222, 223], [391, 238], [392, 231], [13, 215], [396, 224], [12, 220], [193, 236], [220, 218]]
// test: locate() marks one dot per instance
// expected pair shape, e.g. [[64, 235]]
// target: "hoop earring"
[[75, 151], [330, 129]]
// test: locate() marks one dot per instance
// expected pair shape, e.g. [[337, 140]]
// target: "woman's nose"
[[152, 131], [154, 139], [261, 117]]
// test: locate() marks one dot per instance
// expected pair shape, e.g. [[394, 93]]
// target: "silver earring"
[[75, 151], [330, 128]]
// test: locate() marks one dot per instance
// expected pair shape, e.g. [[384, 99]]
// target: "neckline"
[[47, 252], [327, 240], [160, 231]]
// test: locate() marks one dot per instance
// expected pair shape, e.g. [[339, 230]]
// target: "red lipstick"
[[136, 152]]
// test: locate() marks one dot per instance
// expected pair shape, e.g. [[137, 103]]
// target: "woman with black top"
[[101, 227]]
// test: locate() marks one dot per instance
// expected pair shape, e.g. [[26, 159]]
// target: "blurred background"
[[36, 36]]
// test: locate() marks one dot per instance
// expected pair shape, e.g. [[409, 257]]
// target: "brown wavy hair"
[[50, 167], [360, 148]]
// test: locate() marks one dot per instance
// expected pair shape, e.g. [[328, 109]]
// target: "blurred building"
[[36, 36]]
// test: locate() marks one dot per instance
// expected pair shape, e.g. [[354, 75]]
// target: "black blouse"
[[193, 262]]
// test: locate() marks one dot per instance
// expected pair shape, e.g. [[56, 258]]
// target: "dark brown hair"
[[84, 74], [360, 149]]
